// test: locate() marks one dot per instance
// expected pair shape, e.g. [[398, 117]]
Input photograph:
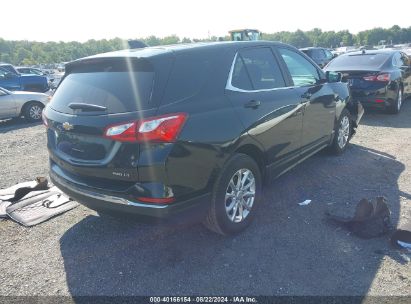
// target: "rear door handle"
[[254, 104]]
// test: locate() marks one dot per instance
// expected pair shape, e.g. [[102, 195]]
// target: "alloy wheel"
[[240, 195], [35, 112], [343, 132], [399, 100]]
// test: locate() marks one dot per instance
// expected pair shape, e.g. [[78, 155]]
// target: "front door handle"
[[254, 104]]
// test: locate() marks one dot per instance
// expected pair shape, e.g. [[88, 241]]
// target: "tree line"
[[31, 52]]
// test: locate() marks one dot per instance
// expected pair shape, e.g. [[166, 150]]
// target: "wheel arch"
[[27, 103], [256, 154]]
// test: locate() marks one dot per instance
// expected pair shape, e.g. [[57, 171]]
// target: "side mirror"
[[333, 76]]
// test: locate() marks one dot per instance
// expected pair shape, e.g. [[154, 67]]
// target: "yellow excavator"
[[245, 35]]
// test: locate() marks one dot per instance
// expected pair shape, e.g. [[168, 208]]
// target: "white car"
[[20, 103]]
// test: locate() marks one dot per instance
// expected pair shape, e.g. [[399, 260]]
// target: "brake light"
[[158, 129], [380, 77]]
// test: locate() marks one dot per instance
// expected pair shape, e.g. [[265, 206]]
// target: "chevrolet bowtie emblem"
[[67, 126]]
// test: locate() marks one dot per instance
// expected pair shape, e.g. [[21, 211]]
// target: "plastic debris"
[[305, 203]]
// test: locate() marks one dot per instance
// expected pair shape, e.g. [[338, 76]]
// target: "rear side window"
[[256, 69], [301, 70], [118, 88], [189, 73]]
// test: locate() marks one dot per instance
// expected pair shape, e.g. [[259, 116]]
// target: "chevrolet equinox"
[[191, 130]]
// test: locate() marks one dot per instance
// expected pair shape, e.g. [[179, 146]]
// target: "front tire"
[[236, 194], [342, 134]]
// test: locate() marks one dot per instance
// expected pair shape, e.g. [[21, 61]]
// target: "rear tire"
[[32, 111], [236, 195], [396, 107], [342, 133]]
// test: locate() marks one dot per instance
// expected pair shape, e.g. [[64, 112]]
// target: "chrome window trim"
[[230, 87]]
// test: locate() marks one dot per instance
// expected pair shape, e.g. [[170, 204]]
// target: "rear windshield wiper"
[[86, 107]]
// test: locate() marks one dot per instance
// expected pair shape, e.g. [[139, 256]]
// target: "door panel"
[[317, 98], [7, 106], [319, 113], [269, 111]]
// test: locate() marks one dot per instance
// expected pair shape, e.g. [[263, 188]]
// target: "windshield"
[[358, 61]]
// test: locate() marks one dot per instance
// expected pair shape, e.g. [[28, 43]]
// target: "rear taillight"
[[380, 77], [159, 129]]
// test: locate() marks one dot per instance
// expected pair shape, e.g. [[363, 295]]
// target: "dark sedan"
[[192, 129], [377, 78]]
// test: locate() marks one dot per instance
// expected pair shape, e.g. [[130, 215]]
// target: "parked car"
[[379, 78], [192, 129], [321, 56], [12, 80], [27, 104], [53, 79]]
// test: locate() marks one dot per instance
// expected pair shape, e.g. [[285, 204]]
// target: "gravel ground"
[[289, 250]]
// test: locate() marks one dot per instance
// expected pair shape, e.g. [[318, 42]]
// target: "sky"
[[74, 20]]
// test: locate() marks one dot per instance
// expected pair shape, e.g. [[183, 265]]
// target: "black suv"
[[191, 129], [321, 56]]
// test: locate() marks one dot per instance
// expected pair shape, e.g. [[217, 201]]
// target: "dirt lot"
[[289, 250]]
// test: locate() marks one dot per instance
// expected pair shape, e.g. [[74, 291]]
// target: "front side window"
[[256, 69], [301, 70]]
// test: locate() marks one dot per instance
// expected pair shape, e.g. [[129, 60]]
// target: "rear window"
[[359, 60], [119, 90]]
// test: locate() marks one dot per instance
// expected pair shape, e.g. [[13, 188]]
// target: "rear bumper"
[[193, 209], [381, 98], [372, 103]]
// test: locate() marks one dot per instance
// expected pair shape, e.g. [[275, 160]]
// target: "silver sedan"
[[27, 104]]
